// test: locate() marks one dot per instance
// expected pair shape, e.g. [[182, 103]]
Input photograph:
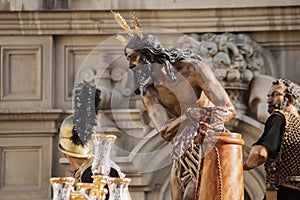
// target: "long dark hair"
[[149, 43]]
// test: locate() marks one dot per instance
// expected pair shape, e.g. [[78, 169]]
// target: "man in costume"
[[78, 154], [179, 92], [279, 146], [76, 134]]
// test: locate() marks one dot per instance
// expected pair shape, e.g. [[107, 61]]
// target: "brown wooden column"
[[222, 168]]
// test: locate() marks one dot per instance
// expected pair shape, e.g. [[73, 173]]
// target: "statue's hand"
[[209, 116], [169, 130]]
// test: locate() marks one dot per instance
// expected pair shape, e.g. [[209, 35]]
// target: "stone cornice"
[[185, 21], [75, 5], [27, 133], [39, 115]]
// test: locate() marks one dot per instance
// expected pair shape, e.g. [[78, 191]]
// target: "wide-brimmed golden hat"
[[66, 144]]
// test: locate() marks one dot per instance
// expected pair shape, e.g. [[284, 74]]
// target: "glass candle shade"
[[118, 188], [62, 187], [101, 148]]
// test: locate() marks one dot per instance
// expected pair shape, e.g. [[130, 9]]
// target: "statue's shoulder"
[[188, 62], [191, 64]]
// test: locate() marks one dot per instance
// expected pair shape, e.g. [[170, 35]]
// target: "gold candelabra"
[[64, 188]]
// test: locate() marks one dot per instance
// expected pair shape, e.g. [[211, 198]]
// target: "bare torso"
[[195, 86], [181, 94]]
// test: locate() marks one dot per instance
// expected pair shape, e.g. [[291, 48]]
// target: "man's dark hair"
[[149, 43], [292, 90]]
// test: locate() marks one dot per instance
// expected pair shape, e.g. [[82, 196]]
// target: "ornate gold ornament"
[[137, 26], [123, 24], [65, 188]]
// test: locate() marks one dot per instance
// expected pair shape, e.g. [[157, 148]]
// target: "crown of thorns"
[[123, 24]]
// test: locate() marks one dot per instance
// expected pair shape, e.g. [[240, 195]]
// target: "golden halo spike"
[[121, 21], [137, 26], [121, 39]]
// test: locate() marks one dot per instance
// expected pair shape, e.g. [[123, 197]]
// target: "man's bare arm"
[[212, 88], [159, 117], [257, 156]]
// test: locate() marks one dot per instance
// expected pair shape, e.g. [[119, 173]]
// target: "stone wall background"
[[44, 44]]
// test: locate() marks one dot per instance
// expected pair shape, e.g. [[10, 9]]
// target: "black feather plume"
[[97, 100], [75, 137], [84, 110]]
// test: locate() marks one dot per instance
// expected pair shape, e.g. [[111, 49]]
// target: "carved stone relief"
[[235, 60]]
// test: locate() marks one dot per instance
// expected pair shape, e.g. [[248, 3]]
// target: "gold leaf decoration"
[[121, 21], [121, 39], [137, 26]]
